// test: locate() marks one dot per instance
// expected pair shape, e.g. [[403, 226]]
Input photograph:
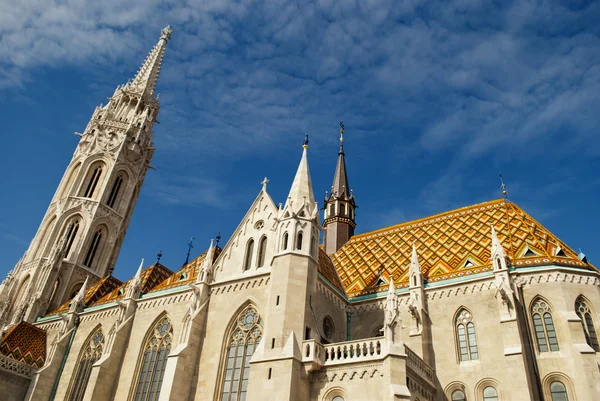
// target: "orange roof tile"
[[26, 343], [93, 294], [151, 277], [187, 274], [449, 245], [327, 270]]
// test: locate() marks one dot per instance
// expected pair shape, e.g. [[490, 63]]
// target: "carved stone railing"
[[342, 353], [16, 367], [418, 366]]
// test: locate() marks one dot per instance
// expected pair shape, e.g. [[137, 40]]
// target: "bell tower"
[[83, 229], [339, 206]]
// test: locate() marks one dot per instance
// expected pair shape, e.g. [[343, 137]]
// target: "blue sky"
[[436, 97]]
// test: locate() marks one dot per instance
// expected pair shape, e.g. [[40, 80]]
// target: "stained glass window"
[[91, 353], [587, 323], [154, 361], [466, 340], [242, 343], [545, 334]]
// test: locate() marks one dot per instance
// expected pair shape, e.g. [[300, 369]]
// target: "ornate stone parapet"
[[16, 367]]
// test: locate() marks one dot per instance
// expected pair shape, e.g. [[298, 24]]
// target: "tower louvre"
[[85, 224]]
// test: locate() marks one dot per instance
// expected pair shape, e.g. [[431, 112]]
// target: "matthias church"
[[480, 303]]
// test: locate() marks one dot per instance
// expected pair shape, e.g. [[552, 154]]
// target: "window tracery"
[[91, 353], [465, 333], [154, 361], [245, 336], [545, 333], [587, 323]]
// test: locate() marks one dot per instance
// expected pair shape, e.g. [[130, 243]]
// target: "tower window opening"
[[342, 209], [284, 242], [72, 229], [299, 241], [331, 210], [93, 182], [249, 252], [114, 192], [89, 258], [262, 249]]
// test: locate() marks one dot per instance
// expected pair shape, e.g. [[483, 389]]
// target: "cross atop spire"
[[147, 76]]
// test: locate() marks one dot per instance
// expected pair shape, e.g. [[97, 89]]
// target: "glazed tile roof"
[[151, 277], [327, 270], [93, 294], [25, 343], [452, 244], [187, 274]]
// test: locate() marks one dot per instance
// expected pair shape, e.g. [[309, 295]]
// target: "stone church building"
[[480, 303]]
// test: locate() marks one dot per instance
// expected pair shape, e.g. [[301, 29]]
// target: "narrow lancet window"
[[587, 323], [90, 354], [92, 182], [92, 250], [249, 252], [284, 241], [114, 192], [154, 361], [262, 249], [70, 235], [545, 334], [466, 340], [299, 241], [245, 336]]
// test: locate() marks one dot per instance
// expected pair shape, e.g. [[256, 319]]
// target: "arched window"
[[299, 240], [154, 360], [342, 209], [378, 332], [545, 334], [284, 241], [114, 192], [465, 333], [92, 181], [490, 394], [262, 249], [313, 244], [90, 354], [331, 210], [558, 391], [70, 235], [92, 250], [70, 183], [587, 323], [459, 395], [249, 252], [337, 398], [242, 342]]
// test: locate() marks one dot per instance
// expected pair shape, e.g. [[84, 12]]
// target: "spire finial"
[[503, 186], [145, 80], [341, 136], [165, 33], [158, 256], [190, 246], [264, 183], [305, 146], [218, 239]]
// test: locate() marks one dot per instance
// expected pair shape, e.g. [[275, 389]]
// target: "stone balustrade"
[[418, 366], [342, 353], [16, 367]]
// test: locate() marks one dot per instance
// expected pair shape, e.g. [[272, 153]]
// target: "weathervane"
[[503, 186], [305, 146], [341, 131], [190, 246], [218, 238], [158, 256]]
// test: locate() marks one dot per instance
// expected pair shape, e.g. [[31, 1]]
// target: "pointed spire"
[[497, 249], [135, 284], [301, 191], [415, 273], [78, 301], [138, 275], [392, 287], [147, 76], [340, 188]]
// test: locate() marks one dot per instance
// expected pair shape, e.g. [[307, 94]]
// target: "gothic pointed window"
[[262, 249], [249, 252], [465, 337], [245, 336], [331, 210], [114, 192], [93, 249], [90, 354], [151, 369], [545, 334], [558, 391], [342, 209], [284, 242], [587, 323], [92, 181], [70, 235], [299, 240]]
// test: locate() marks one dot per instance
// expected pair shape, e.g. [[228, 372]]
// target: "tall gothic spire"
[[339, 206], [147, 76], [301, 191]]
